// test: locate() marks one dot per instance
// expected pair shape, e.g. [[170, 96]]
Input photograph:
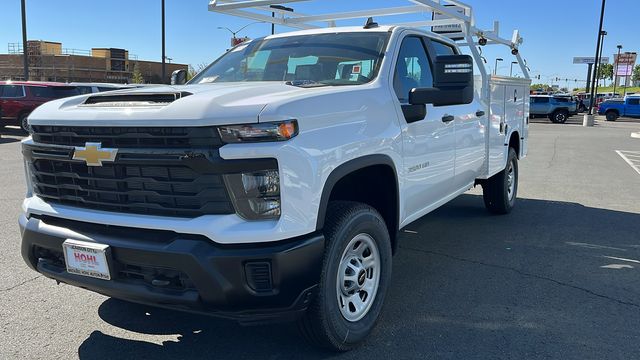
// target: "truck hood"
[[196, 105]]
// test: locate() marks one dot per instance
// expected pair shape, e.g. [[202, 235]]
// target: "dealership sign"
[[625, 63], [589, 60]]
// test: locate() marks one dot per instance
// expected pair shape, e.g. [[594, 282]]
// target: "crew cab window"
[[634, 101], [308, 60], [40, 91], [562, 99], [413, 69], [11, 91]]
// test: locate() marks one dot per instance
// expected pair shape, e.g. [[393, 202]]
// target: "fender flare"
[[347, 168]]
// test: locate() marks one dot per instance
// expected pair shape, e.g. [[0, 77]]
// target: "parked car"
[[613, 109], [271, 189], [19, 98], [556, 108], [90, 88]]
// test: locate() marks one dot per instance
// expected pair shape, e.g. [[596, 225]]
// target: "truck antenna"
[[370, 24]]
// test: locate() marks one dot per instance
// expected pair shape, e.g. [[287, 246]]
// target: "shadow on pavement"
[[466, 284], [6, 140], [12, 131]]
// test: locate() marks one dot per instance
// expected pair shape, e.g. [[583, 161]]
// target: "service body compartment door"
[[496, 128]]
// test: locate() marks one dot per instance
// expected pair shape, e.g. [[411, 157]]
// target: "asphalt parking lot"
[[558, 278]]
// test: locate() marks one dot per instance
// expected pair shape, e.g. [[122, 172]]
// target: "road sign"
[[589, 60]]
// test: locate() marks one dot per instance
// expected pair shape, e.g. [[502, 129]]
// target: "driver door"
[[429, 143]]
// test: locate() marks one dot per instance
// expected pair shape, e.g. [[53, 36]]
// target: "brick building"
[[49, 61]]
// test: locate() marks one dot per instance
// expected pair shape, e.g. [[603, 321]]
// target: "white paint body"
[[337, 124]]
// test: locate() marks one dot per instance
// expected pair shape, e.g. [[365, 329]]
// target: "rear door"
[[428, 144]]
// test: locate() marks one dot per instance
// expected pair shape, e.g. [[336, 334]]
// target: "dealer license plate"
[[86, 259]]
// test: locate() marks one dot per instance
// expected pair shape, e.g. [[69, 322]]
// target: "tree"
[[605, 72], [137, 77], [540, 87], [636, 73]]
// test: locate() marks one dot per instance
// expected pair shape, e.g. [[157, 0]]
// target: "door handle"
[[448, 118], [479, 113]]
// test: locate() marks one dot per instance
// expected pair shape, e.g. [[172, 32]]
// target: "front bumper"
[[250, 283]]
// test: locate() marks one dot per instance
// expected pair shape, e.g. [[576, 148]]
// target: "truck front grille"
[[155, 172], [128, 137]]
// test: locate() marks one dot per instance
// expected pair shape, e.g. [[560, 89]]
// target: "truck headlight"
[[262, 132], [255, 195]]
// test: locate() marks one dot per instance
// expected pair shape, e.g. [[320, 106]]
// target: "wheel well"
[[514, 142], [376, 186], [613, 111]]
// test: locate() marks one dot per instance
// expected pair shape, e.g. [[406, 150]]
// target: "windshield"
[[307, 60]]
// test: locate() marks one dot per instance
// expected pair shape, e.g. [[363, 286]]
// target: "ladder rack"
[[451, 13]]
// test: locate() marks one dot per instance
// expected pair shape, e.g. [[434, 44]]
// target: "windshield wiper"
[[306, 83]]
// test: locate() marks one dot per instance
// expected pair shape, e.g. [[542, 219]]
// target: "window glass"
[[64, 91], [634, 101], [540, 100], [40, 91], [11, 91], [413, 69], [85, 89], [442, 48], [319, 60], [562, 99]]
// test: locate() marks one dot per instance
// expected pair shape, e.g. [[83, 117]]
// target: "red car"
[[19, 98]]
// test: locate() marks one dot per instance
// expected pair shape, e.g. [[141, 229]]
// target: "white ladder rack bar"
[[260, 10]]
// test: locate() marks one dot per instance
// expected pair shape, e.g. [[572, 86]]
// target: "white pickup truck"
[[274, 184]]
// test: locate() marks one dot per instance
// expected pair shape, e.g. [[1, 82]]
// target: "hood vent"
[[135, 99]]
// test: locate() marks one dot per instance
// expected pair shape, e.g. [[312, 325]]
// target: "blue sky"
[[554, 30]]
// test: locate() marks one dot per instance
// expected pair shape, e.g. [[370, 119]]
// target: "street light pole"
[[495, 69], [597, 62], [511, 71], [164, 65], [615, 70], [25, 56], [601, 74], [273, 15]]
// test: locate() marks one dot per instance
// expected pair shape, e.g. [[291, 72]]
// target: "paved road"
[[558, 278]]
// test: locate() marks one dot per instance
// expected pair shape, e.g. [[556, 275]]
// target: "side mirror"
[[452, 83], [179, 77]]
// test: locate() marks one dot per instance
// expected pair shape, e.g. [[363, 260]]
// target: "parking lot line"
[[632, 158]]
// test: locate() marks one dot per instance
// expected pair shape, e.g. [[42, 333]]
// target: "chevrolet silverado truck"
[[613, 109], [274, 184]]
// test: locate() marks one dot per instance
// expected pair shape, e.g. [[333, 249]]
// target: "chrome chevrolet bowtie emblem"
[[94, 155]]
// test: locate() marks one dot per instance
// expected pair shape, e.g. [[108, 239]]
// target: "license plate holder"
[[87, 259]]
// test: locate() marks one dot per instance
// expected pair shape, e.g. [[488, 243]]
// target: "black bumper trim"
[[216, 274]]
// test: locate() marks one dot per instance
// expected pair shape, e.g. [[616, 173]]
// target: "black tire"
[[22, 121], [323, 324], [560, 116], [499, 197], [611, 115]]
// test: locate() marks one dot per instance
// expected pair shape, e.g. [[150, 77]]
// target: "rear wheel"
[[560, 116], [611, 115], [355, 276], [500, 191]]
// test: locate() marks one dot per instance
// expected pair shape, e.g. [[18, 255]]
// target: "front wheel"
[[611, 116], [500, 191], [355, 276], [24, 123]]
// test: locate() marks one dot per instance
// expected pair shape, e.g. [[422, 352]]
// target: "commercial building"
[[49, 61]]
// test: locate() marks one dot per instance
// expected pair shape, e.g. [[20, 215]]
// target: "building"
[[49, 61]]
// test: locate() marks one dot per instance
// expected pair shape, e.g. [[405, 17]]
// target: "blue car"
[[556, 108], [613, 109]]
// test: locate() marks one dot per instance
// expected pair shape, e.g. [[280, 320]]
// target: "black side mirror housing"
[[179, 77], [452, 83]]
